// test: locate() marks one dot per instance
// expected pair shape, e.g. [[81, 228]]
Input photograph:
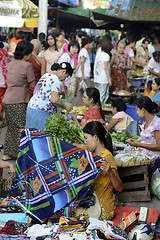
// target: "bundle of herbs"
[[57, 126]]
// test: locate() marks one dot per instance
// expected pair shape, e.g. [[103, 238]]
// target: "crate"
[[135, 184]]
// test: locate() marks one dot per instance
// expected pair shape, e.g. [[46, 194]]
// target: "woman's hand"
[[106, 167], [68, 106], [133, 142], [12, 169], [74, 117]]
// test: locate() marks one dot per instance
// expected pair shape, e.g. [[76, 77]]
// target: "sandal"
[[9, 159]]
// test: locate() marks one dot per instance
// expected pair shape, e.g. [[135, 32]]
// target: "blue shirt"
[[156, 98]]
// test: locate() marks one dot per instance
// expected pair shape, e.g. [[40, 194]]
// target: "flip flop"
[[9, 159]]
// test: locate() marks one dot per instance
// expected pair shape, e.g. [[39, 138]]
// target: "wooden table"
[[135, 184]]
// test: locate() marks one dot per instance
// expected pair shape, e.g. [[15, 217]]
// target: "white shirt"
[[66, 58], [151, 50], [87, 66], [155, 66], [100, 75]]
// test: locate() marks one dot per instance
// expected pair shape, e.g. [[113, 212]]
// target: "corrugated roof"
[[135, 10]]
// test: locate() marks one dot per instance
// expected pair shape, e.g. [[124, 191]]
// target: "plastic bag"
[[82, 85], [72, 85], [155, 183]]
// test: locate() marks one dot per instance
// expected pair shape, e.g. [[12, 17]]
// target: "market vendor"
[[91, 99], [142, 52], [120, 120], [98, 141], [46, 96], [150, 135], [154, 64]]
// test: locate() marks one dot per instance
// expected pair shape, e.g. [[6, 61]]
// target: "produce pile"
[[57, 126], [122, 137]]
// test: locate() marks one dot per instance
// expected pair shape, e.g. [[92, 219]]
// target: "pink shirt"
[[51, 57]]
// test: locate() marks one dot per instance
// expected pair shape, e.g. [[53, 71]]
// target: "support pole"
[[43, 15]]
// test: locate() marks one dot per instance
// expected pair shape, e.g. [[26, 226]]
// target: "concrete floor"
[[154, 203]]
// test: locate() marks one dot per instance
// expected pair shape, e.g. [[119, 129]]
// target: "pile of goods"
[[122, 93], [78, 110], [57, 126], [128, 154]]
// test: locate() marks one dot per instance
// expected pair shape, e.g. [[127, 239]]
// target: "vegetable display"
[[121, 137], [57, 126]]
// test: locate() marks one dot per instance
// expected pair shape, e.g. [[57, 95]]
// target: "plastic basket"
[[131, 111]]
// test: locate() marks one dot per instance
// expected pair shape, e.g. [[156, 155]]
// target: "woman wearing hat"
[[46, 96]]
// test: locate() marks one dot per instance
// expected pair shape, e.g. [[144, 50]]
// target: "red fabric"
[[152, 214], [4, 60], [14, 228], [36, 67], [93, 114], [2, 92]]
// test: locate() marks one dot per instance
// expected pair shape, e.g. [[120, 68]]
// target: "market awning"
[[11, 22], [134, 10], [78, 17], [31, 22], [13, 12]]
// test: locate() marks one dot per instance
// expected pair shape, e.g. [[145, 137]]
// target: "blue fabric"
[[52, 176], [19, 217], [36, 118], [155, 99]]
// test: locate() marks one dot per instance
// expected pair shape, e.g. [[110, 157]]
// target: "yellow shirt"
[[149, 94], [103, 186]]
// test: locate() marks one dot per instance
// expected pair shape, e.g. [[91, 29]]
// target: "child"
[[120, 119]]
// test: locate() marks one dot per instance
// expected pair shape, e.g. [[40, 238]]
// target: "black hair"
[[71, 36], [73, 43], [106, 38], [81, 34], [64, 65], [95, 94], [131, 40], [119, 104], [55, 41], [96, 128], [86, 40], [146, 103], [156, 54], [59, 34], [1, 45], [149, 85], [23, 48], [123, 35], [42, 36], [106, 46], [19, 35], [2, 38], [145, 40], [157, 81]]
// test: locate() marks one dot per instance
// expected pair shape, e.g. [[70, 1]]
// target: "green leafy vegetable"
[[121, 137], [57, 126]]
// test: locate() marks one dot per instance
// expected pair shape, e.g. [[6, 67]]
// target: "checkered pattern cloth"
[[52, 176]]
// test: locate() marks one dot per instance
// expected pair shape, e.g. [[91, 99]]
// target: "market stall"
[[18, 13]]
